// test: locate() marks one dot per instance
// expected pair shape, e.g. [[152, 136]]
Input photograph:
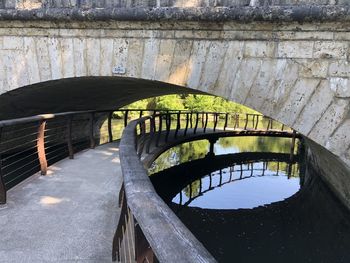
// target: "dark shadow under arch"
[[84, 93]]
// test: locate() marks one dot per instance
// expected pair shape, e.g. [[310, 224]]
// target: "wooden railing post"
[[2, 184], [91, 131], [110, 133], [41, 147], [69, 137]]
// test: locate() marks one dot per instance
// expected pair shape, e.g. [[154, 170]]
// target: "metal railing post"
[[167, 125], [215, 120], [91, 131], [126, 118], [246, 121], [110, 133], [41, 147], [196, 124], [178, 125], [69, 137], [206, 122], [2, 184], [159, 129], [257, 122], [187, 121], [226, 120]]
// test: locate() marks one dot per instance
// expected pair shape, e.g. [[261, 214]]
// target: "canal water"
[[251, 200]]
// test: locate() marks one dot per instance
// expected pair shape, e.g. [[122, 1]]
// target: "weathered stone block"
[[295, 49], [329, 121], [341, 87], [313, 68], [340, 68], [330, 49], [14, 43], [314, 108], [259, 49]]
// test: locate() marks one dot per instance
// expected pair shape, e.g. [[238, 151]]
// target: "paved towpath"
[[67, 216]]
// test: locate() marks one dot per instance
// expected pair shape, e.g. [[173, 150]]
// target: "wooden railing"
[[165, 236]]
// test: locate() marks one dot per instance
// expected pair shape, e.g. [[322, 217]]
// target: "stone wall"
[[297, 74]]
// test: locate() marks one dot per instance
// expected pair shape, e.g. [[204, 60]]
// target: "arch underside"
[[85, 93]]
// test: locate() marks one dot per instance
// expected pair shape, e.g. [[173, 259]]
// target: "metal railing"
[[165, 129], [29, 145]]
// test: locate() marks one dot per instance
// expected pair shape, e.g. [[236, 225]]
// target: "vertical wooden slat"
[[69, 137], [2, 184], [110, 133], [41, 147]]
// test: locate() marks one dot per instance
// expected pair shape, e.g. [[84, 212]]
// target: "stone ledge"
[[306, 13]]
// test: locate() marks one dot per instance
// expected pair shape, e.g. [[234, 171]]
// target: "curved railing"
[[29, 145], [167, 239]]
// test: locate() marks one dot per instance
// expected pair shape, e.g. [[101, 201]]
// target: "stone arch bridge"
[[287, 59]]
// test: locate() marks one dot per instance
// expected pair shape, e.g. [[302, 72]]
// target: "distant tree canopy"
[[190, 102]]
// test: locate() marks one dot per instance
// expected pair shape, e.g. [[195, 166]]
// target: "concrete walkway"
[[69, 215]]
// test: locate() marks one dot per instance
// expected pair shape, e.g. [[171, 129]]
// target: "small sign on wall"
[[120, 70]]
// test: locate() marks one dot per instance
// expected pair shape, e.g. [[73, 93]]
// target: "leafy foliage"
[[190, 102]]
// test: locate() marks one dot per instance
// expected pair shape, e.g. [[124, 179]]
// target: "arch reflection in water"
[[245, 185], [309, 226]]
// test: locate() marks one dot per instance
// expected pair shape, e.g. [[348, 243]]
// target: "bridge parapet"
[[34, 4]]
